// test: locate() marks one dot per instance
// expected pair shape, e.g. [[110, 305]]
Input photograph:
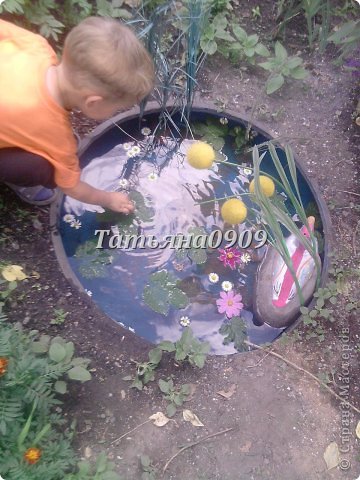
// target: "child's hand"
[[119, 202], [115, 201]]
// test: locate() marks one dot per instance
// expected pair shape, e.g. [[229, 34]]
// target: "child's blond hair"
[[105, 54]]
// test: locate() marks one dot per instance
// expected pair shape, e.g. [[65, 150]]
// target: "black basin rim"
[[198, 107]]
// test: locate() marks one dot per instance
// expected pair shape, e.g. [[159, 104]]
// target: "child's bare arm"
[[116, 201]]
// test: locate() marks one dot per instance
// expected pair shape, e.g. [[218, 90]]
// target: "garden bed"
[[282, 420]]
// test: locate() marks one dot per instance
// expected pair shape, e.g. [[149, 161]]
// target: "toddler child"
[[104, 68]]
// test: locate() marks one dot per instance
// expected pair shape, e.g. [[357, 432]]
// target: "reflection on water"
[[171, 191]]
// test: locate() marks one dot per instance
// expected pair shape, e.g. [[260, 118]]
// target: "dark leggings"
[[25, 169]]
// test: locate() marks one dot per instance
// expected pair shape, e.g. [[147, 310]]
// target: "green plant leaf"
[[199, 360], [239, 33], [274, 83], [137, 383], [167, 346], [267, 65], [79, 373], [164, 386], [209, 46], [178, 298], [171, 410], [251, 40], [224, 35], [294, 62], [234, 331], [249, 51], [280, 52], [145, 461], [155, 355], [299, 73], [156, 298], [60, 387], [260, 49], [57, 352]]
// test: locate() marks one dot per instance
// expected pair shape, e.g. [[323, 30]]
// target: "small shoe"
[[38, 195]]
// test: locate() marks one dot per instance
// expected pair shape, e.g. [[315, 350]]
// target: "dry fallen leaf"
[[357, 430], [229, 393], [191, 392], [332, 455], [246, 448], [87, 452], [159, 419], [13, 272], [189, 416]]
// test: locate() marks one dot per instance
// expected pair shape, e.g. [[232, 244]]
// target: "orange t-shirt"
[[29, 117]]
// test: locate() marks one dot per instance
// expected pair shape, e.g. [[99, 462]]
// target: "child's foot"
[[38, 195]]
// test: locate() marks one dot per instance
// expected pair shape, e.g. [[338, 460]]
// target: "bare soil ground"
[[281, 420]]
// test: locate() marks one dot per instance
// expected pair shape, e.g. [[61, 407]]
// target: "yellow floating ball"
[[234, 211], [266, 184], [200, 155]]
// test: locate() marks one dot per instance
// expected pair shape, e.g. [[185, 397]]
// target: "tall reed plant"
[[275, 218], [172, 35]]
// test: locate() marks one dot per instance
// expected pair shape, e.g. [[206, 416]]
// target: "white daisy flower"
[[153, 176], [247, 171], [136, 150], [130, 153], [88, 292], [127, 146], [227, 286], [245, 258], [213, 277], [145, 131], [132, 329], [75, 224], [184, 321], [224, 121], [69, 218], [123, 182]]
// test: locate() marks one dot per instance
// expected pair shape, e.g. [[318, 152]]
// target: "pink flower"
[[230, 304], [230, 257]]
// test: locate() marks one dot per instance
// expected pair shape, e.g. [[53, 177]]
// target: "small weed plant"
[[327, 298], [145, 371], [188, 349], [282, 65], [59, 316], [35, 442], [176, 396], [149, 471]]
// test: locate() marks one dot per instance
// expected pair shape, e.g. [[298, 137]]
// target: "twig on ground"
[[189, 445], [354, 238], [350, 193], [130, 431], [304, 371], [260, 361]]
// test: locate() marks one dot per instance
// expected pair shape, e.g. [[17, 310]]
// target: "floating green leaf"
[[212, 132], [162, 292]]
